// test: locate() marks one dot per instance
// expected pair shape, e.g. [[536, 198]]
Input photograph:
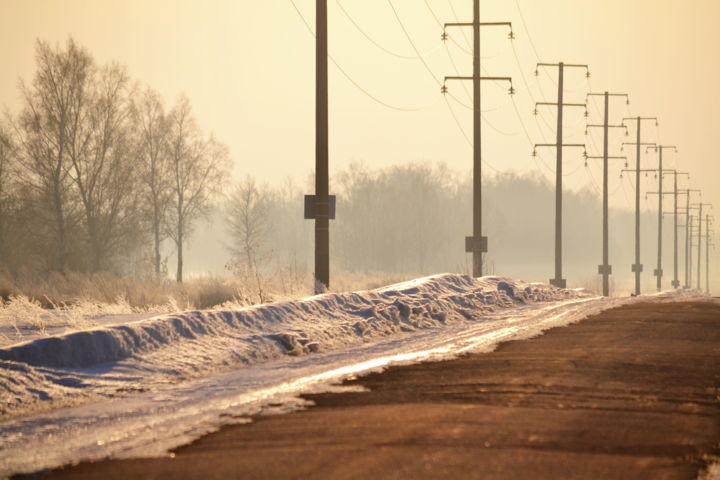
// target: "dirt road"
[[633, 393]]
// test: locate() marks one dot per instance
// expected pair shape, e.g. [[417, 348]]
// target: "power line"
[[378, 45], [347, 75], [432, 12], [522, 18], [464, 134]]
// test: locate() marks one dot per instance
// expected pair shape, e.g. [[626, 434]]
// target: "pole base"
[[558, 282]]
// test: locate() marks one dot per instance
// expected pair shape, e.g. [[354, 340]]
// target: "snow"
[[144, 387]]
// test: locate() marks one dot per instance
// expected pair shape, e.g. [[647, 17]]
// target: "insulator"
[[585, 163], [626, 165], [587, 74], [586, 132], [627, 101], [443, 89], [444, 36], [534, 153], [586, 114], [626, 132], [512, 91], [535, 111], [621, 176], [511, 36], [622, 148], [536, 73]]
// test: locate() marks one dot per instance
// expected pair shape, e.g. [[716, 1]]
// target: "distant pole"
[[606, 261], [675, 282], [322, 231], [477, 244], [558, 281], [606, 269], [707, 254], [637, 267], [660, 174], [690, 259], [676, 193], [699, 239], [687, 239], [658, 271]]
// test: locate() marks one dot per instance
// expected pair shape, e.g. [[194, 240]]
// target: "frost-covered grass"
[[33, 304]]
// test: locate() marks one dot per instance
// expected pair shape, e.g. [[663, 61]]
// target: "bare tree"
[[47, 128], [198, 169], [153, 162], [248, 219], [101, 165], [7, 156]]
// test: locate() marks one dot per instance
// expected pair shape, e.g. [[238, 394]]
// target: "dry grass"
[[32, 303]]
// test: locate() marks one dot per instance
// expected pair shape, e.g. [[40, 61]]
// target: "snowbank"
[[168, 347]]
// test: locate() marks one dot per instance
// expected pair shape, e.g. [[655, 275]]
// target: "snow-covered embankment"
[[111, 360]]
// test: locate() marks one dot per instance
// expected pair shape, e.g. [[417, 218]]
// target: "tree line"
[[96, 171], [412, 219]]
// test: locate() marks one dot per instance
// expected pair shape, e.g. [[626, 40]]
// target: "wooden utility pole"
[[477, 244], [321, 208], [558, 281], [606, 269], [659, 270], [700, 206], [674, 193], [708, 234], [688, 239], [637, 267]]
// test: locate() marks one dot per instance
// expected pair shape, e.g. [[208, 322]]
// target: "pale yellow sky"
[[248, 69]]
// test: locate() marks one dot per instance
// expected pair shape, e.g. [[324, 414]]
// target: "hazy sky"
[[248, 68]]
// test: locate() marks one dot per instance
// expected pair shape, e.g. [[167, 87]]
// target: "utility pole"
[[674, 193], [688, 227], [708, 234], [699, 236], [558, 281], [637, 267], [321, 206], [477, 244], [606, 269], [659, 270]]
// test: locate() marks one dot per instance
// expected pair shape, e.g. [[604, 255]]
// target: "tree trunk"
[[156, 231], [60, 224], [179, 276]]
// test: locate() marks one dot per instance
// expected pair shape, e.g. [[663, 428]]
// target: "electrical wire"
[[457, 71], [457, 19], [369, 38], [465, 135], [529, 139], [347, 75], [522, 18], [442, 26], [594, 182], [420, 57]]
